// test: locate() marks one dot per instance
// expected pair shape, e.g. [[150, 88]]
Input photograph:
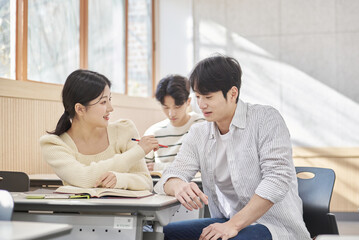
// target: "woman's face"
[[98, 110]]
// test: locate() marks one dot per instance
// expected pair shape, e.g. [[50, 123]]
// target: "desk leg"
[[157, 233]]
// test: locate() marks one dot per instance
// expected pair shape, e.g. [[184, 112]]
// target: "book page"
[[100, 192], [121, 192], [76, 190]]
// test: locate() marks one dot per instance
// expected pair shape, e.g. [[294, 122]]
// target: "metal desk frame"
[[100, 218]]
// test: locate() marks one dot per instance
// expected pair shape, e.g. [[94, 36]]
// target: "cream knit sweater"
[[123, 157]]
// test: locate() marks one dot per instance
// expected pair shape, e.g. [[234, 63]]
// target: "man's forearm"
[[255, 208]]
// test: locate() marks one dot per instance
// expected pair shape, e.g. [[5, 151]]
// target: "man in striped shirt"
[[244, 155], [173, 94]]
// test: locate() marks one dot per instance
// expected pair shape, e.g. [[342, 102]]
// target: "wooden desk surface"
[[31, 230]]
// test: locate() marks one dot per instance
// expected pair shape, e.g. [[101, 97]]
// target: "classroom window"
[[106, 41], [53, 39], [140, 48], [7, 38], [45, 40]]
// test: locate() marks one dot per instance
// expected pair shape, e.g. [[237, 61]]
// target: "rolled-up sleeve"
[[275, 157]]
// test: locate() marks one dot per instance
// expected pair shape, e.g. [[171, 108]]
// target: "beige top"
[[123, 157]]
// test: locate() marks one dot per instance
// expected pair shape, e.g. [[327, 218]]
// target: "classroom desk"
[[99, 218], [53, 181], [13, 230], [44, 180], [183, 213]]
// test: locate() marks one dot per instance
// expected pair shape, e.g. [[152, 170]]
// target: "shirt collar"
[[240, 116], [239, 119]]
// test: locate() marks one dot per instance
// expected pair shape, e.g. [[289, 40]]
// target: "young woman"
[[85, 150]]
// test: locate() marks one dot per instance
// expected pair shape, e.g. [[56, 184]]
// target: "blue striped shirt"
[[260, 162]]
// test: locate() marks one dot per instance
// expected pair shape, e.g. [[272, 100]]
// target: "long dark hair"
[[81, 86]]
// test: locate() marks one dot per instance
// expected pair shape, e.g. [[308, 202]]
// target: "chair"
[[6, 205], [14, 181], [316, 194]]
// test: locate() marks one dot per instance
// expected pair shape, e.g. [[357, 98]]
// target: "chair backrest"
[[14, 181], [6, 205], [316, 194]]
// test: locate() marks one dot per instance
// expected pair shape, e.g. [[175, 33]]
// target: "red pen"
[[134, 139]]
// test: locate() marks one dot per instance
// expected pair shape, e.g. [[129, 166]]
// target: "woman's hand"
[[148, 143], [107, 180]]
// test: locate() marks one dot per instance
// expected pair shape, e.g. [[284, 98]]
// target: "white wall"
[[174, 37], [298, 56]]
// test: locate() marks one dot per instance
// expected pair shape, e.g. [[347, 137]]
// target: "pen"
[[134, 139]]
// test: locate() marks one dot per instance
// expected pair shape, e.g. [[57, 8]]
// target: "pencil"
[[134, 139]]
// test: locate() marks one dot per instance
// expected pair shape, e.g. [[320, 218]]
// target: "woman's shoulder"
[[122, 127], [122, 123], [52, 139], [49, 138]]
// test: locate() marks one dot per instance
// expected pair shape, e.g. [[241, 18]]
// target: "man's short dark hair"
[[217, 73], [176, 86]]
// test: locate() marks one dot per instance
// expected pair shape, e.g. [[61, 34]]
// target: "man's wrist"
[[168, 185], [237, 223]]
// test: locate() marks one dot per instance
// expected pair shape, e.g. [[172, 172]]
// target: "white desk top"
[[159, 205], [154, 201], [31, 230]]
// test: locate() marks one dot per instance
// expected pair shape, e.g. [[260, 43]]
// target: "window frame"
[[22, 36]]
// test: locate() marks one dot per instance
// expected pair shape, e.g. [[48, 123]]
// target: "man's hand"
[[254, 209], [219, 230], [188, 194], [107, 180], [150, 166]]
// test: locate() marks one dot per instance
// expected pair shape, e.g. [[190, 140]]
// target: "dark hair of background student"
[[217, 73], [81, 86], [175, 86]]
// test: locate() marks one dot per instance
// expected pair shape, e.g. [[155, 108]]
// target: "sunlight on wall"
[[316, 115]]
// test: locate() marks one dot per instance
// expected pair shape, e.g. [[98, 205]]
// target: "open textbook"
[[102, 192]]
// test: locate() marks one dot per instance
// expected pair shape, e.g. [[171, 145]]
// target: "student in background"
[[244, 155], [173, 94], [85, 150]]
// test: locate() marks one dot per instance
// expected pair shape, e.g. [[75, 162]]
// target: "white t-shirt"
[[224, 188]]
